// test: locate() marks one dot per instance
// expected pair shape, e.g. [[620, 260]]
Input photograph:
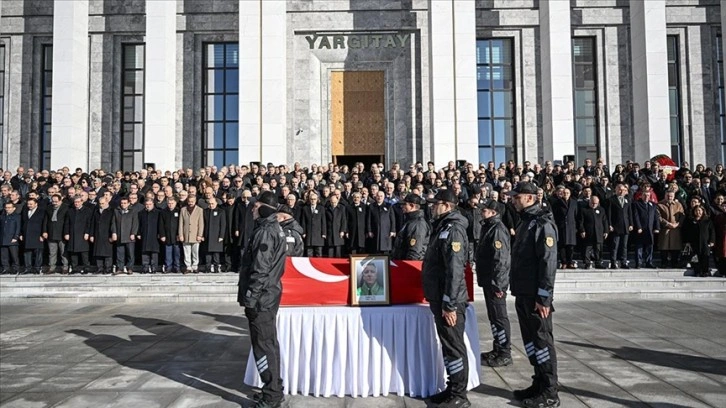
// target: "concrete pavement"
[[660, 353]]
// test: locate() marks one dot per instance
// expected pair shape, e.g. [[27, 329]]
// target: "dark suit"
[[357, 227], [32, 232], [381, 223], [336, 220], [647, 219], [169, 230], [10, 230], [149, 232], [594, 223], [565, 214], [314, 225], [101, 233], [76, 226], [620, 219], [54, 229]]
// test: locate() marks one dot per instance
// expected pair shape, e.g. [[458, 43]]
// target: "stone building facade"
[[121, 83]]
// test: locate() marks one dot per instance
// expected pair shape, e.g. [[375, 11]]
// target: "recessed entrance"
[[358, 120]]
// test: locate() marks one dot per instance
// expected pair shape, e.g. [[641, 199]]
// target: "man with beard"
[[101, 235], [493, 262], [123, 233], [260, 290], [534, 265], [53, 233], [412, 240], [445, 289]]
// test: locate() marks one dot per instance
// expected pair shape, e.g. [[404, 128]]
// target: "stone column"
[[263, 81], [723, 51], [452, 62], [467, 128], [69, 140], [556, 59], [160, 88], [651, 111]]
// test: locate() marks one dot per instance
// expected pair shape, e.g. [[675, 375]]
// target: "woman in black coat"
[[699, 233]]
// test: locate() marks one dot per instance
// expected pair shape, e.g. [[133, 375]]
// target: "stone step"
[[222, 287]]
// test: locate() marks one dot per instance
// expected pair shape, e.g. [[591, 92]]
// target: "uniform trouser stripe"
[[457, 370]]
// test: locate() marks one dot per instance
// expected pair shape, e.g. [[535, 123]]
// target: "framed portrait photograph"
[[369, 284]]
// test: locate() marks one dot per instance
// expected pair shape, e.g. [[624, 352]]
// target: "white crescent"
[[306, 268]]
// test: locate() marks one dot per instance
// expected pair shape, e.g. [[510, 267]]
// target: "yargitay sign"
[[342, 41]]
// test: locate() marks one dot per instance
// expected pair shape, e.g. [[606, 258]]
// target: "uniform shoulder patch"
[[456, 246], [412, 242], [550, 242], [498, 244]]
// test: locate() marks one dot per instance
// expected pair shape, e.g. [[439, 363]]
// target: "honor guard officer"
[[260, 289], [293, 231], [412, 240], [445, 289], [534, 263], [493, 260]]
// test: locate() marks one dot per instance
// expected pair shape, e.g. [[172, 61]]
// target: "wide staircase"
[[597, 284]]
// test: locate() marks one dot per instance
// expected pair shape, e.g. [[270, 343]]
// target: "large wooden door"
[[358, 113]]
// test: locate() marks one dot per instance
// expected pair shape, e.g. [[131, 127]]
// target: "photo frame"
[[369, 280]]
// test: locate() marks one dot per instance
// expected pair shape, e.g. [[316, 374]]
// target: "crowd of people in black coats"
[[172, 221]]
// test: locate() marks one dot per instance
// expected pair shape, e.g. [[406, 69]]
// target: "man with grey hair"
[[76, 232]]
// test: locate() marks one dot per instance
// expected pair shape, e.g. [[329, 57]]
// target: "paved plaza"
[[665, 353]]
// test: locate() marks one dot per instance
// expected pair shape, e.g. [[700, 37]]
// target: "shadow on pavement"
[[696, 364], [580, 393], [181, 354]]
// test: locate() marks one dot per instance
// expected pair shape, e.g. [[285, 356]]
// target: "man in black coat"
[[593, 228], [621, 224], [231, 251], [123, 233], [76, 232], [357, 213], [168, 233], [54, 219], [32, 236], [473, 216], [101, 235], [10, 230], [243, 222], [380, 225], [215, 229], [148, 236], [336, 220], [646, 223], [314, 226], [564, 209]]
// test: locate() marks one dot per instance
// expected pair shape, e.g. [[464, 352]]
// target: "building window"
[[220, 122], [721, 96], [674, 100], [585, 98], [46, 105], [495, 100], [2, 99], [132, 107]]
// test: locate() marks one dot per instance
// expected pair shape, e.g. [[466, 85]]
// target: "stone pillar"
[[69, 140], [651, 110], [263, 81], [723, 51], [467, 128], [452, 56], [160, 88], [556, 59]]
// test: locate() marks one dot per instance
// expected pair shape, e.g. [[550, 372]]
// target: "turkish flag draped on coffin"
[[326, 282]]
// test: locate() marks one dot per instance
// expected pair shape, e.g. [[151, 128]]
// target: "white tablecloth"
[[367, 351]]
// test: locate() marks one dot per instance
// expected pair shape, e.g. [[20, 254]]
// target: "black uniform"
[[493, 262], [534, 265], [293, 237], [413, 239], [260, 290], [445, 289]]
